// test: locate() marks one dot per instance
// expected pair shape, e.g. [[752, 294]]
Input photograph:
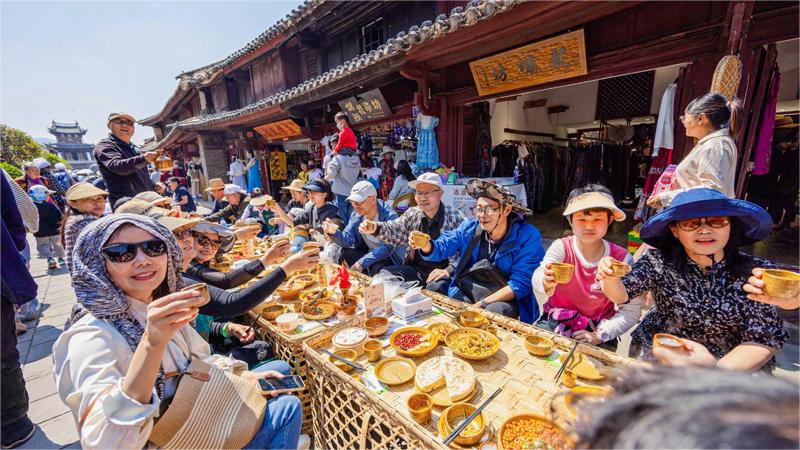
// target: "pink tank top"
[[578, 293]]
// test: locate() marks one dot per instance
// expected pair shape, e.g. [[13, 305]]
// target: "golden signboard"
[[279, 130], [541, 62]]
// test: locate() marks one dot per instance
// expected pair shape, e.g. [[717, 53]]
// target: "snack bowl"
[[319, 310], [377, 326], [472, 343], [539, 346], [287, 321], [309, 294], [522, 430], [347, 354], [781, 283], [272, 312], [473, 319], [289, 291], [454, 415], [425, 336], [305, 279]]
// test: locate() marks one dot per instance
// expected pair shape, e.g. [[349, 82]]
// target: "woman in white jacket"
[[131, 327]]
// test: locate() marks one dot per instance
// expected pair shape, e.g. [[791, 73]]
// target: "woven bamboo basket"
[[348, 415], [727, 76]]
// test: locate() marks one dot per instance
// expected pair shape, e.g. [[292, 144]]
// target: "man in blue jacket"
[[365, 253], [499, 254]]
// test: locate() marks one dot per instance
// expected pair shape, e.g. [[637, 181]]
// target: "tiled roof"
[[59, 127], [460, 17]]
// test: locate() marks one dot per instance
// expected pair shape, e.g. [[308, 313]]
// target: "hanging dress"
[[427, 150], [253, 175]]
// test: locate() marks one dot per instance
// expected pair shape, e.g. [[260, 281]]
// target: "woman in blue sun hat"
[[697, 273]]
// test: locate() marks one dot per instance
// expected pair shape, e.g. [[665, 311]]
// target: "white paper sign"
[[374, 303]]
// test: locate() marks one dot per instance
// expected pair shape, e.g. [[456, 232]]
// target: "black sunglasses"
[[205, 241], [122, 253]]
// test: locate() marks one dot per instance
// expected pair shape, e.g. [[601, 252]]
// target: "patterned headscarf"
[[98, 295]]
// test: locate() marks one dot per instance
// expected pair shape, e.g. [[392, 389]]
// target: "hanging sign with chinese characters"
[[541, 62], [279, 130], [366, 107]]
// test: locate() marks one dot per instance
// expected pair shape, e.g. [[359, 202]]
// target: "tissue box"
[[408, 306]]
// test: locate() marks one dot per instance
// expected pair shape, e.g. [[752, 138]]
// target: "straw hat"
[[79, 191], [591, 200], [260, 201], [785, 122], [215, 184], [152, 197], [295, 185]]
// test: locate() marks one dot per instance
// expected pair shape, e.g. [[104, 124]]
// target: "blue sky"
[[80, 60]]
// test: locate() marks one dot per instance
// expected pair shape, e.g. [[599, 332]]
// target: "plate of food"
[[413, 341], [289, 290], [473, 343], [583, 366], [442, 328], [447, 380], [319, 311], [529, 431], [305, 279]]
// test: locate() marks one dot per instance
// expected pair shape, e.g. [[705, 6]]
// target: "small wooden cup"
[[373, 349], [202, 288], [420, 407], [670, 342], [562, 272], [568, 378], [419, 239], [781, 283]]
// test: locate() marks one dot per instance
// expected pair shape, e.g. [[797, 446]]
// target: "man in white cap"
[[237, 202], [365, 253], [122, 166], [431, 217]]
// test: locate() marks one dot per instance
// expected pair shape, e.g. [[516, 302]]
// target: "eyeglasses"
[[488, 211], [206, 241], [713, 222], [426, 193], [122, 122], [122, 253]]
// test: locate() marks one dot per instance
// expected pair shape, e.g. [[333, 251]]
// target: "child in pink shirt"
[[578, 308]]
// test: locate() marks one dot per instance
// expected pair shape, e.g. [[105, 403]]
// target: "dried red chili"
[[407, 341]]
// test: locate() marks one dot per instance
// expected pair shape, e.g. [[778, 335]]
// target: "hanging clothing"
[[427, 150], [236, 171], [506, 155], [665, 127], [763, 150], [253, 175]]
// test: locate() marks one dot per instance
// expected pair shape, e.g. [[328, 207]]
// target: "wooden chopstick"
[[566, 361], [471, 417], [339, 358]]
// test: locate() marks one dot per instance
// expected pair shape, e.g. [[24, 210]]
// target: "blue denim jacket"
[[350, 237]]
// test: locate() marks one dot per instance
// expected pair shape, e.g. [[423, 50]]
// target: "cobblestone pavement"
[[56, 425]]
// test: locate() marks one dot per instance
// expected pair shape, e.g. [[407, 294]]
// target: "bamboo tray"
[[349, 415]]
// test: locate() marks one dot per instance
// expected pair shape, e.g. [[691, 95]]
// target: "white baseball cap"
[[427, 178], [361, 191], [233, 189]]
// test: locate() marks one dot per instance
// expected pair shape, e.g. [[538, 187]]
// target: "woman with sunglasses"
[[714, 121], [211, 239], [133, 327], [697, 276]]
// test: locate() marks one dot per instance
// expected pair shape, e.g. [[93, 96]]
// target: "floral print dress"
[[708, 307]]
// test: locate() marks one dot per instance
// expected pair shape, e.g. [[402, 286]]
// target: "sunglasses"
[[713, 222], [206, 241], [122, 253], [122, 122]]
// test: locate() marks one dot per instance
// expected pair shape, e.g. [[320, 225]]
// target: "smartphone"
[[283, 385]]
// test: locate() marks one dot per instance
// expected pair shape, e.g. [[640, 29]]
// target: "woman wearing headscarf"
[[698, 275], [85, 204], [134, 327]]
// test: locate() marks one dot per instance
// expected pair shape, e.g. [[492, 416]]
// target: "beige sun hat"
[[215, 184], [260, 201], [295, 185], [83, 190], [152, 197], [142, 207], [591, 200]]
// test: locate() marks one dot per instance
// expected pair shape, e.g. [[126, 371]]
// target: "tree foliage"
[[17, 147], [12, 171]]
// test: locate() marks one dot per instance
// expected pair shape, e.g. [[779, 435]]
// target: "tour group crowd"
[[130, 249]]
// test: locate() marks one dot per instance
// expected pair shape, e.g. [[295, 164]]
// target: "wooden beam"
[[540, 103], [557, 109], [528, 133], [506, 99]]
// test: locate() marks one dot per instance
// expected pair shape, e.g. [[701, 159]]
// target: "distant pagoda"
[[69, 144]]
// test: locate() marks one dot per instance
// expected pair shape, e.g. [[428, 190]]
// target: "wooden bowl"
[[539, 346], [325, 310], [222, 266], [442, 329], [395, 370], [578, 392], [420, 350], [349, 355], [564, 442], [377, 326], [473, 333], [454, 415], [289, 291], [287, 321], [272, 312], [473, 319], [309, 294], [305, 279], [781, 283]]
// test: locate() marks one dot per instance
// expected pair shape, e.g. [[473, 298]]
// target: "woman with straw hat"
[[85, 204]]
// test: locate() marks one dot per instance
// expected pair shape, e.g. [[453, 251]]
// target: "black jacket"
[[231, 213], [124, 169], [49, 219]]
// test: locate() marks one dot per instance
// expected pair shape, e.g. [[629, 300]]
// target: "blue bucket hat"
[[705, 202]]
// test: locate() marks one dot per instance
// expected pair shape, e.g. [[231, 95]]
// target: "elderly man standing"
[[123, 167], [365, 254], [431, 217]]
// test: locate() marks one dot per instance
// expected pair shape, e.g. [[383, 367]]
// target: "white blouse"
[[92, 356], [710, 164]]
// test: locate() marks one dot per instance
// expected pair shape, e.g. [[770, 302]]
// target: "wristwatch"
[[481, 303]]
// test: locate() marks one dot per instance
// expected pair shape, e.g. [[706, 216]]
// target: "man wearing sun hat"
[[122, 165], [431, 217], [498, 254], [237, 200], [216, 187]]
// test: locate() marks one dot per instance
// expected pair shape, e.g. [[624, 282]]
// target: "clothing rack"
[[533, 133]]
